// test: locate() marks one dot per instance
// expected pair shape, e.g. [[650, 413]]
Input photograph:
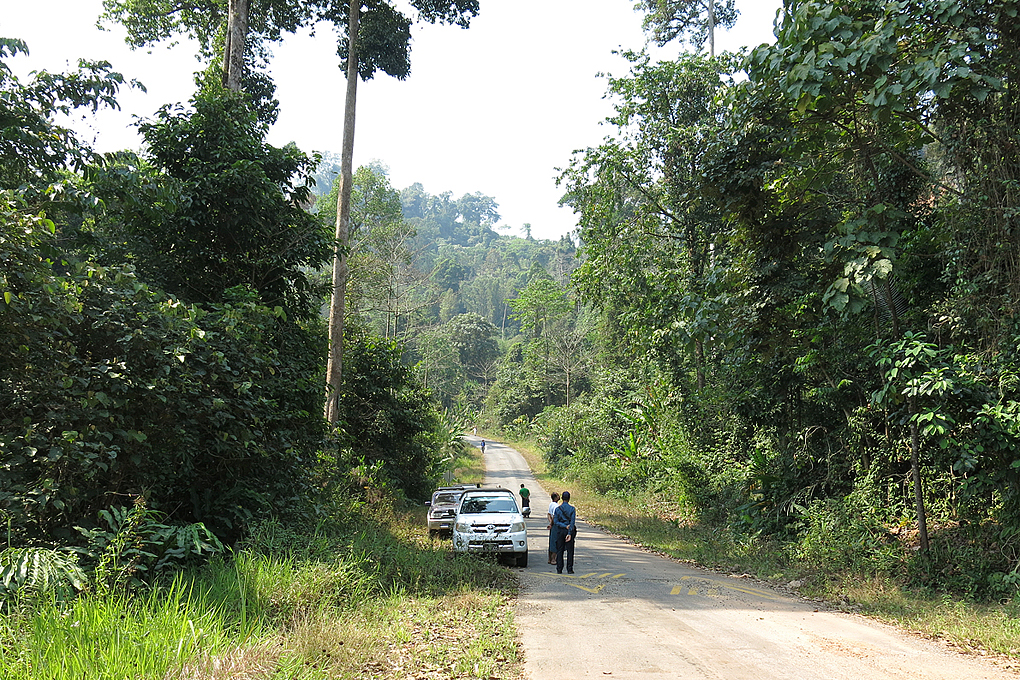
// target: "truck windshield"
[[482, 504]]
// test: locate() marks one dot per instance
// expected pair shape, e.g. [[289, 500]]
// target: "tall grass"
[[468, 465], [364, 594], [118, 635]]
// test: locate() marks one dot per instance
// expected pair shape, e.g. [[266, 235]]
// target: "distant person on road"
[[552, 535], [525, 496], [483, 446], [565, 528]]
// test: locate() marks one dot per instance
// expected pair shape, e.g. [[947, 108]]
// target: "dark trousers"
[[565, 546]]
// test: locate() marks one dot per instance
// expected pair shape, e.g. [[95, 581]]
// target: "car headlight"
[[462, 527], [517, 526]]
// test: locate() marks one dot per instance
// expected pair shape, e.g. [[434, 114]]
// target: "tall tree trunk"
[[233, 47], [334, 366], [711, 28], [568, 385]]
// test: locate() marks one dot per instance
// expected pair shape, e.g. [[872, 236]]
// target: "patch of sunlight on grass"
[[99, 636], [469, 466]]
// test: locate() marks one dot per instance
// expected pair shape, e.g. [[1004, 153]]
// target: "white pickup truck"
[[489, 521]]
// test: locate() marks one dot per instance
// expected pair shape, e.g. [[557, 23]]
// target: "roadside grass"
[[657, 525], [468, 465], [364, 595], [973, 627]]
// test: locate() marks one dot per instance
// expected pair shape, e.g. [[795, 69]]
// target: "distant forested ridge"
[[436, 273]]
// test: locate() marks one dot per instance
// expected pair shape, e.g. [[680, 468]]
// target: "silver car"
[[443, 508]]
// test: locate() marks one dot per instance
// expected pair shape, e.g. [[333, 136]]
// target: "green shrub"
[[130, 545], [845, 534], [389, 422], [27, 573], [977, 560], [112, 389]]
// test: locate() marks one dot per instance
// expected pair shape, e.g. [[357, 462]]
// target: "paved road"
[[626, 613]]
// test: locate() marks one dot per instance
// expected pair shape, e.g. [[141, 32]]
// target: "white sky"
[[493, 109]]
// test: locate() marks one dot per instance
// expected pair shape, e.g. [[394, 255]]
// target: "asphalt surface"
[[627, 613]]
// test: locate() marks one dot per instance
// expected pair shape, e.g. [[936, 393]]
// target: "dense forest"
[[789, 308], [799, 272]]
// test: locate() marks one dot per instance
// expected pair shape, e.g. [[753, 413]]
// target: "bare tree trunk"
[[334, 366], [233, 48], [568, 386], [711, 28]]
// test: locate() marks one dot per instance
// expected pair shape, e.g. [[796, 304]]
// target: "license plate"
[[489, 547]]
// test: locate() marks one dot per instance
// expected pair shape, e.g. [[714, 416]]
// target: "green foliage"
[[113, 388], [647, 231], [465, 221], [130, 545], [769, 244], [33, 147], [474, 339], [832, 55], [384, 35], [668, 20], [847, 534], [388, 421], [384, 287], [519, 389], [27, 573], [539, 303], [977, 560], [589, 430], [229, 209]]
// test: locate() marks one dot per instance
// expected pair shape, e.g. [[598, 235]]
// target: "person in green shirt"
[[525, 498]]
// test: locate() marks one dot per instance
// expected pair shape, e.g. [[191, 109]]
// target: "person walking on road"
[[483, 446], [565, 527], [525, 497], [552, 534]]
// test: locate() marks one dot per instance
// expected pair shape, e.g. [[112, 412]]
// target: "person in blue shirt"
[[555, 503], [565, 528]]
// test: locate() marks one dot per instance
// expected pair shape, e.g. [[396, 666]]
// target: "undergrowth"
[[362, 594]]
